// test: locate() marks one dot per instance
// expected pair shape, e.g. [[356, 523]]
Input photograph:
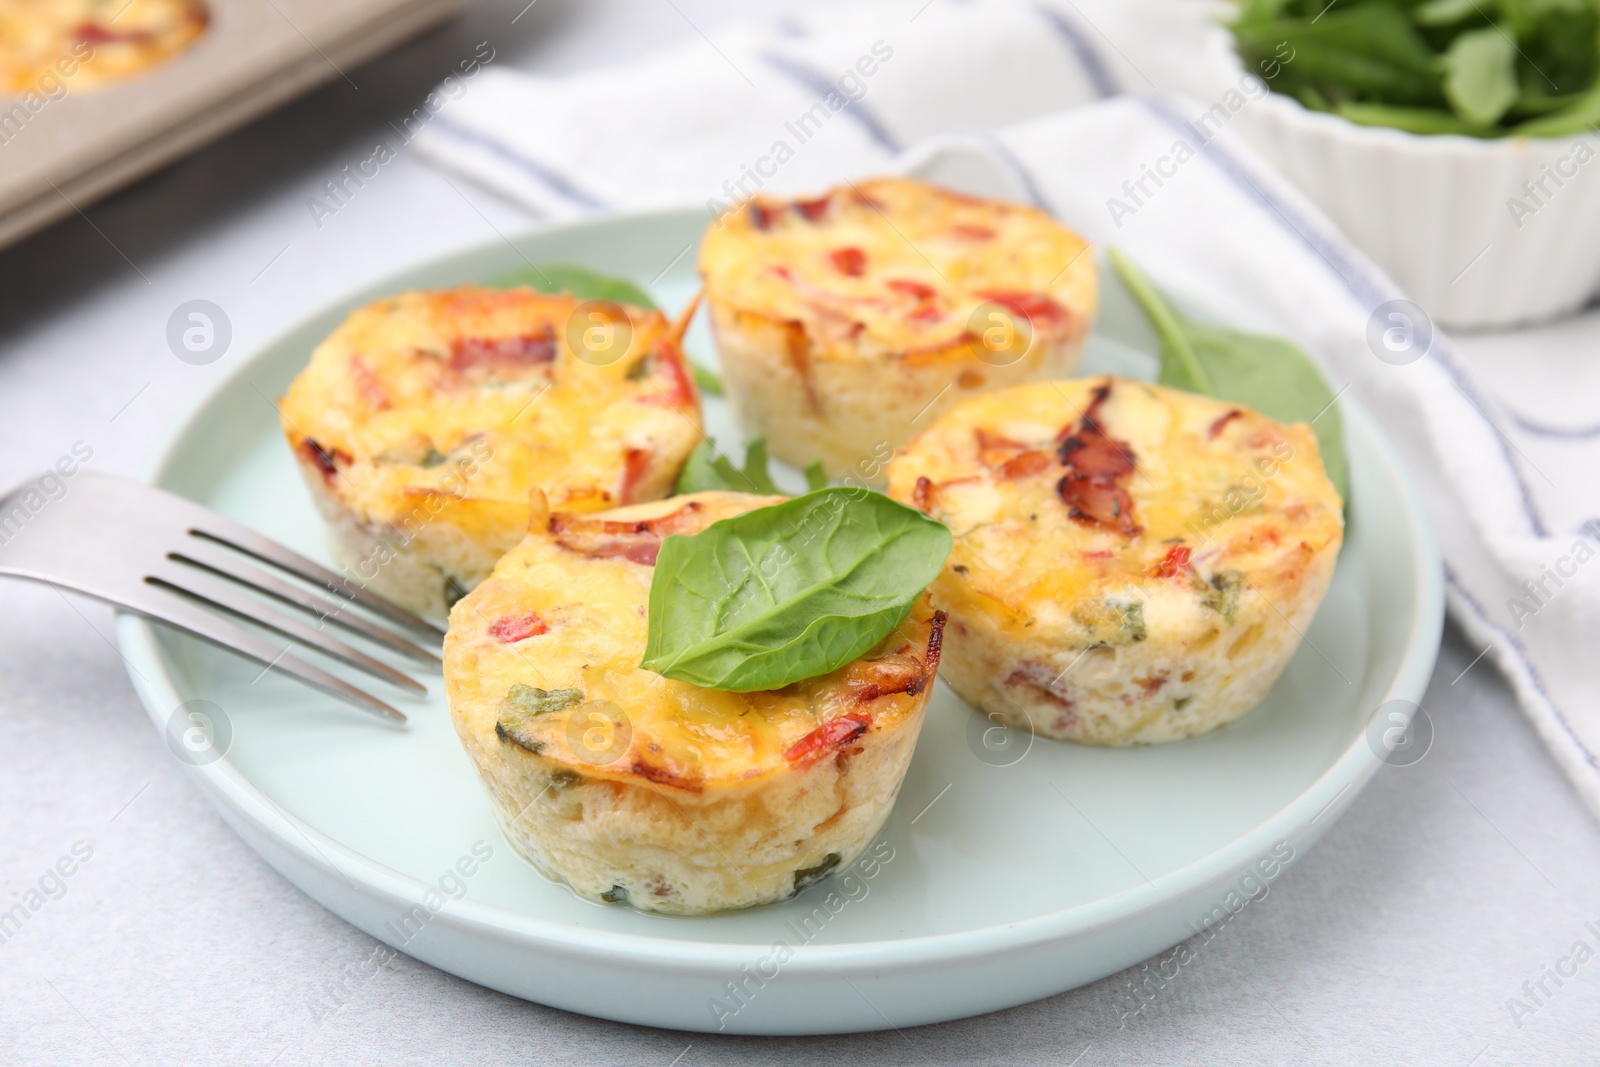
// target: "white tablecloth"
[[1400, 939]]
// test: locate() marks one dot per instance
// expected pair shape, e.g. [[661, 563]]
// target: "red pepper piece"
[[529, 350], [851, 261], [812, 209], [510, 629], [1221, 424], [1175, 563], [910, 288], [1039, 309], [832, 734]]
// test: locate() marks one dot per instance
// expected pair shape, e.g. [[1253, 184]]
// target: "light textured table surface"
[[1399, 939]]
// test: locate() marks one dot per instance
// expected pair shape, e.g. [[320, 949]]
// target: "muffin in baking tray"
[[424, 420], [1132, 563], [631, 787], [847, 322], [51, 47]]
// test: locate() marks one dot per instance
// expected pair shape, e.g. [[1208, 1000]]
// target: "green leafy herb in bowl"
[[1483, 68]]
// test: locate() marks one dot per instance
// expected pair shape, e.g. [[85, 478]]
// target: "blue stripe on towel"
[[820, 85], [540, 172], [1560, 433], [1089, 57], [1022, 173], [1510, 639]]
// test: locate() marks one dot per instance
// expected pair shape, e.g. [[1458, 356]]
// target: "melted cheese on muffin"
[[425, 419], [894, 267], [614, 778], [844, 320], [1131, 562], [86, 43], [565, 612]]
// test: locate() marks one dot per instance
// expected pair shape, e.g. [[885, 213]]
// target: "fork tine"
[[167, 507], [164, 606], [214, 527], [204, 554], [228, 597]]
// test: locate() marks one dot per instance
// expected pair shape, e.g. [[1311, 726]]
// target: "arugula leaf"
[[788, 592], [1269, 374], [581, 282], [816, 476], [1481, 75]]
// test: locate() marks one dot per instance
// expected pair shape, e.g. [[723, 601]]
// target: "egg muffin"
[[634, 788], [84, 44], [1132, 563], [422, 422], [847, 322]]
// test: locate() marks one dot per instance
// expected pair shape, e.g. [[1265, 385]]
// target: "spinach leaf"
[[1369, 51], [1481, 75], [708, 381], [1411, 119], [1482, 68], [1269, 374], [1445, 12], [535, 701], [707, 469], [581, 282], [1582, 115], [788, 592]]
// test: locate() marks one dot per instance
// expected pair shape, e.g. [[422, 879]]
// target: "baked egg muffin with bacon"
[[632, 787], [424, 420], [1132, 564], [847, 321], [84, 44]]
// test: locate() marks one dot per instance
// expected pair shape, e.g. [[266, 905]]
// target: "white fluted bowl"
[[1448, 217]]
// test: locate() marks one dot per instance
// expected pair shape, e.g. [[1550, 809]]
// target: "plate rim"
[[228, 786]]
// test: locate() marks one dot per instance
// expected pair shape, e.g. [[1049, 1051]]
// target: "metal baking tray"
[[255, 55]]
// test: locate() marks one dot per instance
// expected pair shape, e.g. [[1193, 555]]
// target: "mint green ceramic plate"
[[1009, 870]]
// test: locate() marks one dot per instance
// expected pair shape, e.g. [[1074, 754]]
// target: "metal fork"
[[158, 555]]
